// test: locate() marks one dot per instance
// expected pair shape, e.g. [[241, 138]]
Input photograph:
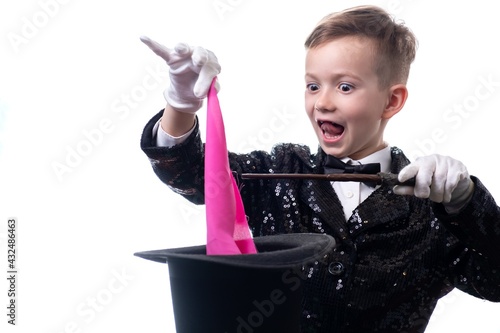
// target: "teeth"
[[332, 136]]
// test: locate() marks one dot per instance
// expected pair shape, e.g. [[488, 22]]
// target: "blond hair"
[[395, 44]]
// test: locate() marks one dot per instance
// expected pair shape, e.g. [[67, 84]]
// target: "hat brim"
[[274, 252]]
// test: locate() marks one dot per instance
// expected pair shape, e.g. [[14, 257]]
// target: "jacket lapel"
[[323, 201], [382, 206]]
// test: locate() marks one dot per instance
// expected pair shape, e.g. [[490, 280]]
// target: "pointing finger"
[[157, 48]]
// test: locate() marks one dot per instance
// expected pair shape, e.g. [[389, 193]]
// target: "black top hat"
[[247, 293]]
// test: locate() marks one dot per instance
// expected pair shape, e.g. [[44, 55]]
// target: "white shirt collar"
[[383, 156]]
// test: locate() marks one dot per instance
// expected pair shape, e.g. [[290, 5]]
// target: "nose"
[[324, 102]]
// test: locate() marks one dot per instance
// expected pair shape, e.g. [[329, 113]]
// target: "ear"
[[396, 100]]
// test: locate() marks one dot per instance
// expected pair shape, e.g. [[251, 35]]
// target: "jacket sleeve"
[[477, 269], [180, 167]]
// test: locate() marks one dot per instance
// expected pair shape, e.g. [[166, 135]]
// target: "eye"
[[345, 87], [312, 87]]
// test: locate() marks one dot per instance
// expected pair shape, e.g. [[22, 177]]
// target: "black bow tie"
[[335, 165]]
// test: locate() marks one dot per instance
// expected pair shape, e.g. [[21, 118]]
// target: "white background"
[[70, 67]]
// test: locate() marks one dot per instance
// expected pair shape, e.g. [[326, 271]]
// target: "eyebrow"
[[337, 75]]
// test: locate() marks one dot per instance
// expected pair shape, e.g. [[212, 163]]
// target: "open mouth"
[[331, 130]]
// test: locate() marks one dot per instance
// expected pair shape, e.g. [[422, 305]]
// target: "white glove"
[[439, 178], [192, 70]]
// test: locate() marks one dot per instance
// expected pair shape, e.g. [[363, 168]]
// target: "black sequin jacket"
[[396, 255]]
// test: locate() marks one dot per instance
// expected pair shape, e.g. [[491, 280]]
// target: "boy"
[[399, 249]]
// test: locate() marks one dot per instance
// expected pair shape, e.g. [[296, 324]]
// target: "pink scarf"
[[227, 227]]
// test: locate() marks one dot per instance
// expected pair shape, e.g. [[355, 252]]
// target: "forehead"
[[345, 53]]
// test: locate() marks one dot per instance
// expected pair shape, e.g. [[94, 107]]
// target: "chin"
[[333, 151]]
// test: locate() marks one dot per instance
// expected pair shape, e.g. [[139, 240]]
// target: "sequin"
[[339, 285]]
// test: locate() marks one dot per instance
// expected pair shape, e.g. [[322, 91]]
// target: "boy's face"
[[343, 98]]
